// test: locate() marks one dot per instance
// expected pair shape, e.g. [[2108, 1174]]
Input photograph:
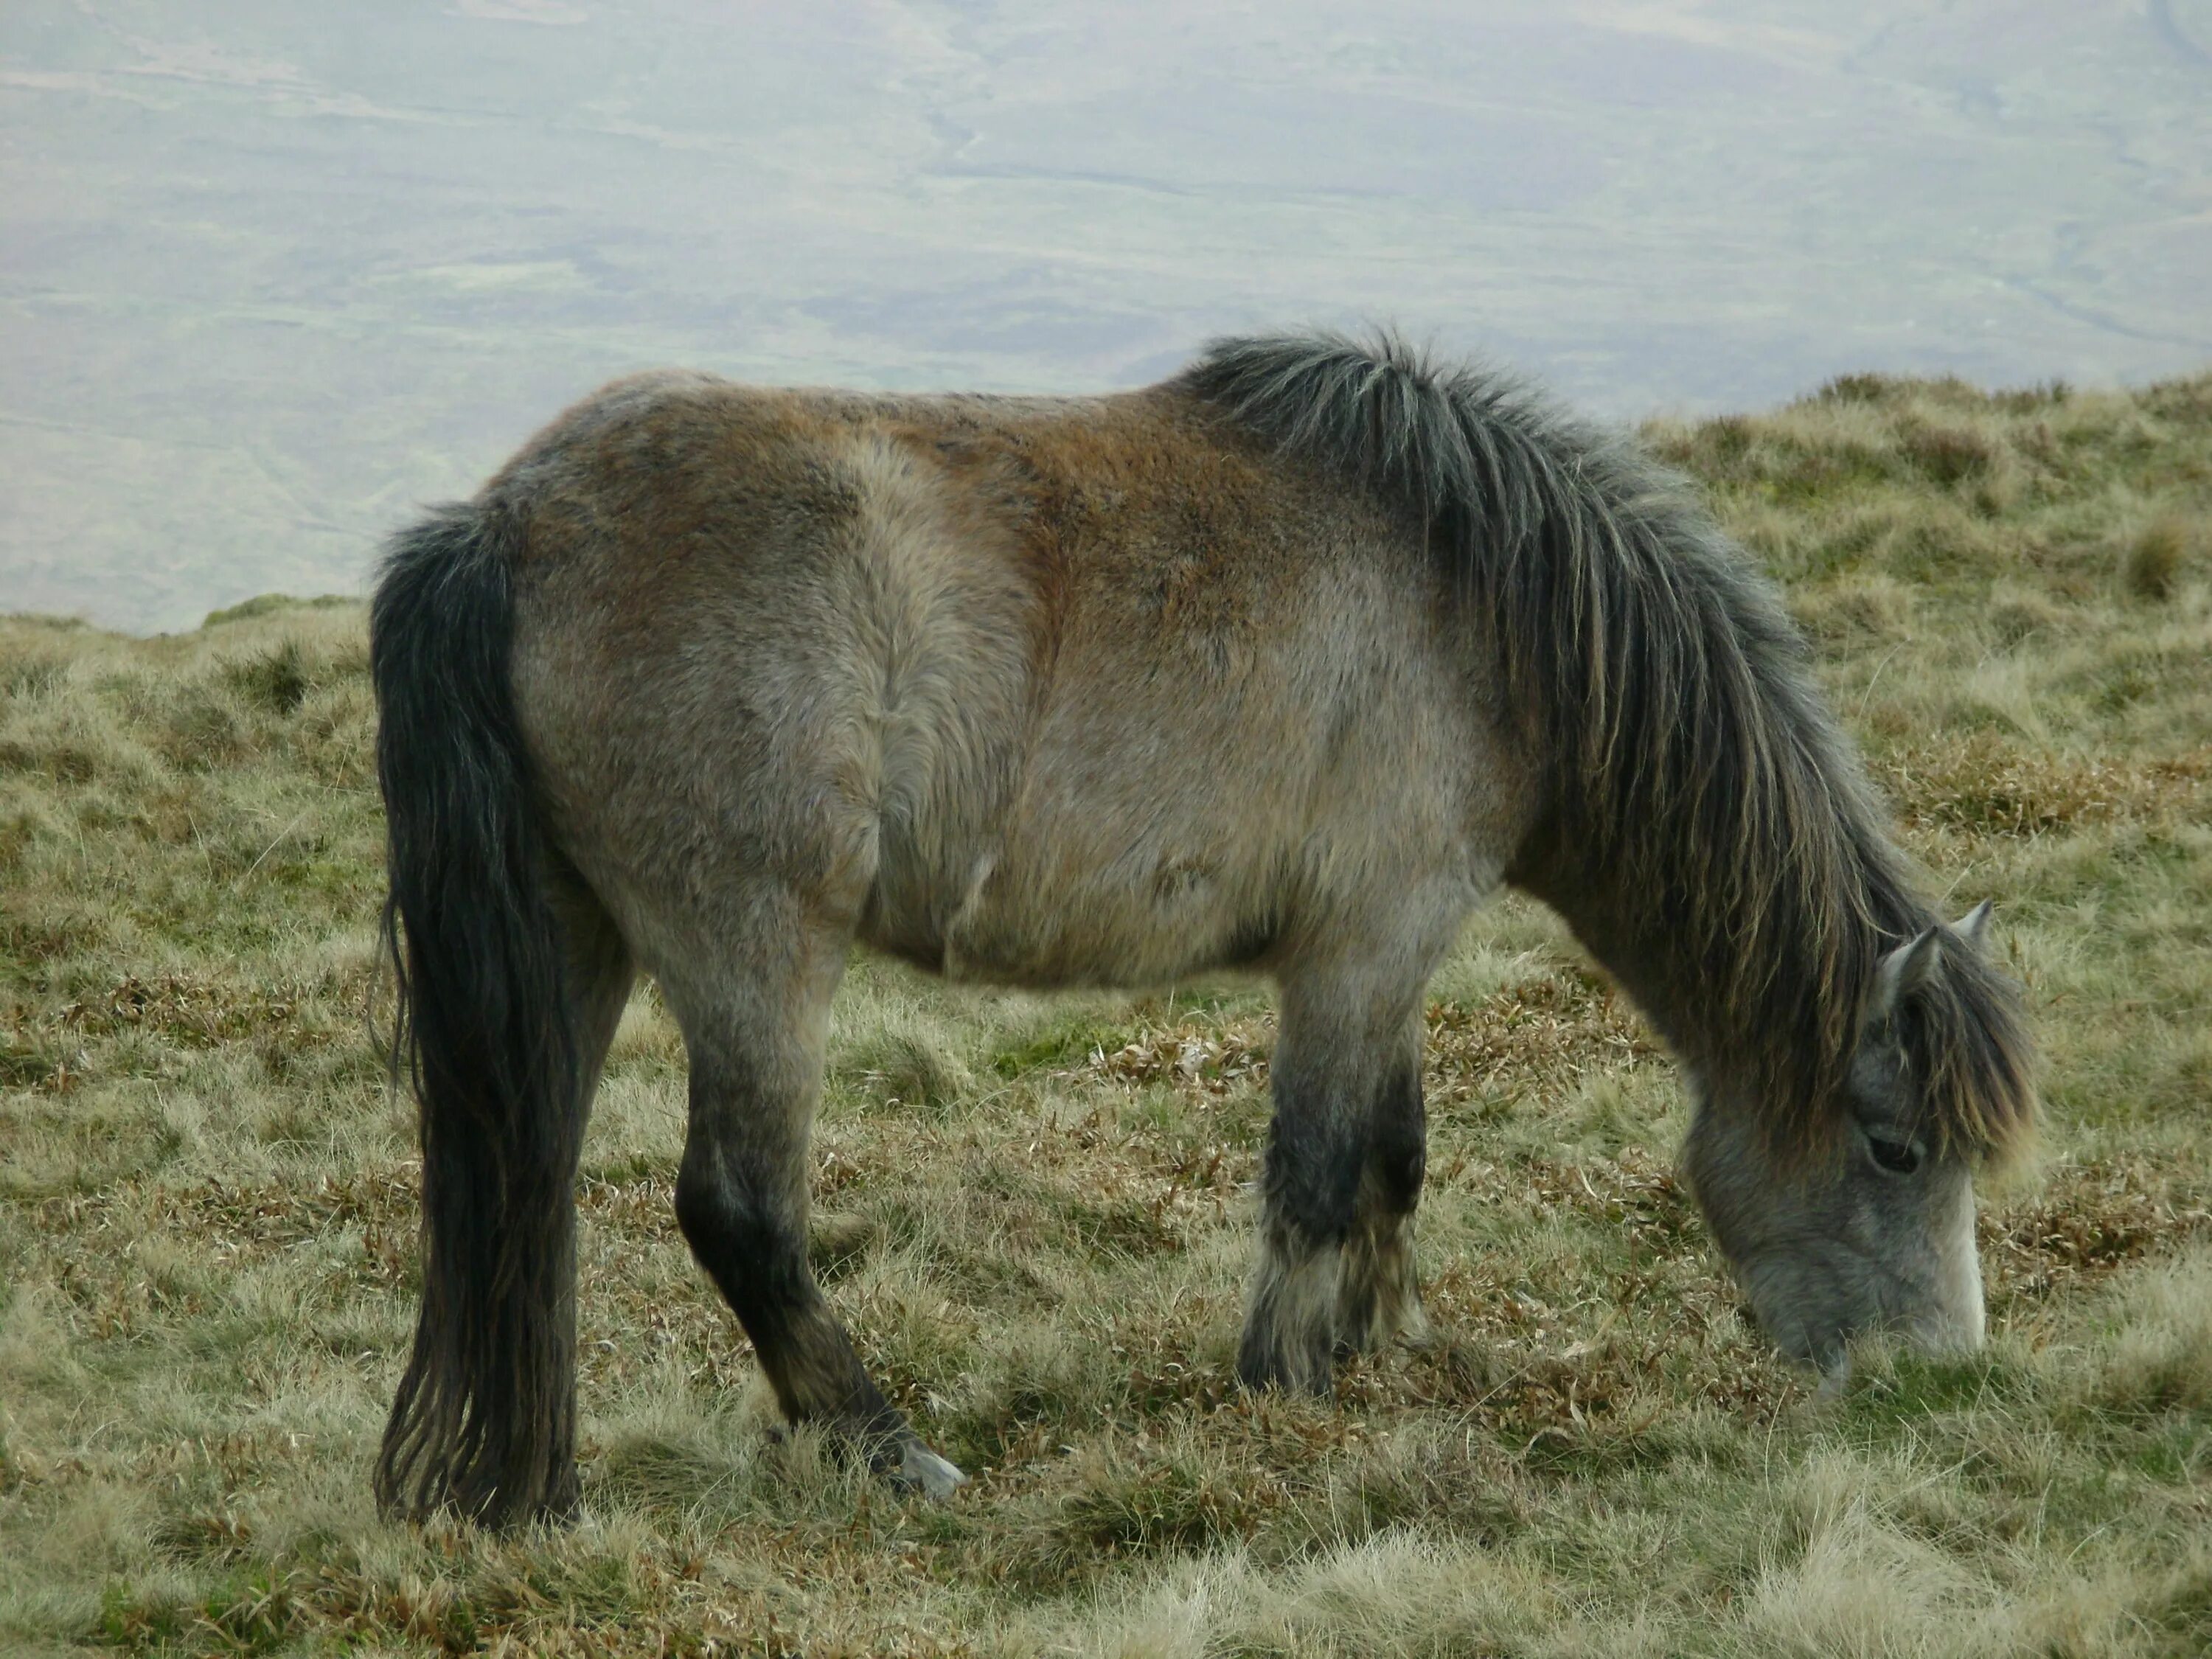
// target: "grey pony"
[[1283, 664]]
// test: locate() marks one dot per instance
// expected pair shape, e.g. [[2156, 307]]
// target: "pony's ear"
[[1905, 970], [1974, 927]]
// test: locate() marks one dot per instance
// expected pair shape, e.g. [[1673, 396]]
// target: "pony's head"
[[1875, 1229]]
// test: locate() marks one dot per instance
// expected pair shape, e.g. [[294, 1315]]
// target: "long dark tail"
[[484, 1422]]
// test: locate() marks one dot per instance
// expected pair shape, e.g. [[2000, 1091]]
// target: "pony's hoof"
[[923, 1471], [1311, 1373], [1415, 1331]]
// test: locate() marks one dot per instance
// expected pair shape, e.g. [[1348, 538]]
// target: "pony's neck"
[[1672, 993], [1737, 1045]]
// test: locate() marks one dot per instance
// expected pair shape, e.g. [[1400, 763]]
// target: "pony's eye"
[[1897, 1156]]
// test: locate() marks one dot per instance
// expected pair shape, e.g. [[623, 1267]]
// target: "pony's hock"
[[1285, 664]]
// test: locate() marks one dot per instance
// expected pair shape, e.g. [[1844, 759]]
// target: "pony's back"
[[1083, 690]]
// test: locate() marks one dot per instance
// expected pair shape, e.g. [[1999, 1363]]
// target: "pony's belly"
[[1024, 923]]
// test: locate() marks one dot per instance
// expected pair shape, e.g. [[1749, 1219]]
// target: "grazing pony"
[[1282, 664]]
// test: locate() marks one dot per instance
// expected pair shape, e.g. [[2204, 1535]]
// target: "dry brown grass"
[[1033, 1212]]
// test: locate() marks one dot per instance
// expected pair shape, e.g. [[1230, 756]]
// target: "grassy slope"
[[1031, 1214]]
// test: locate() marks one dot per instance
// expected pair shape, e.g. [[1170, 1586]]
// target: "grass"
[[1032, 1211]]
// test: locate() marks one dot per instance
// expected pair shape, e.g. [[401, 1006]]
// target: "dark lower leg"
[[1379, 1296], [742, 1198], [1343, 1173], [1309, 1198], [754, 1250]]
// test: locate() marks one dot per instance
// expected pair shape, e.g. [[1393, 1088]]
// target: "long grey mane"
[[1697, 780]]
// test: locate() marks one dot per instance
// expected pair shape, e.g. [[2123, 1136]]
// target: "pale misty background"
[[273, 274]]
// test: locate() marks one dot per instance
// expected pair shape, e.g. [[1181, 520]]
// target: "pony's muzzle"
[[1813, 1302]]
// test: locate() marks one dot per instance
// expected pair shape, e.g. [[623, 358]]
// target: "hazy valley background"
[[272, 275]]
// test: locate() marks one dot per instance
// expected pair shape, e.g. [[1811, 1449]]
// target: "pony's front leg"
[[1343, 1170], [1379, 1295], [754, 1039]]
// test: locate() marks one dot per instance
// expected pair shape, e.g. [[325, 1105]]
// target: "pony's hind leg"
[[754, 1027], [1343, 1160], [601, 973]]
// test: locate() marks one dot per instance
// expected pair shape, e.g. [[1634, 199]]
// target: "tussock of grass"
[[2156, 557], [1033, 1212]]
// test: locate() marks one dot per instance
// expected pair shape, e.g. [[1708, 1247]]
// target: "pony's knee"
[[1312, 1173], [1316, 1200], [1397, 1156]]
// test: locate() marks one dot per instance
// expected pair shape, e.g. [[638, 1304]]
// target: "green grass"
[[1032, 1211]]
